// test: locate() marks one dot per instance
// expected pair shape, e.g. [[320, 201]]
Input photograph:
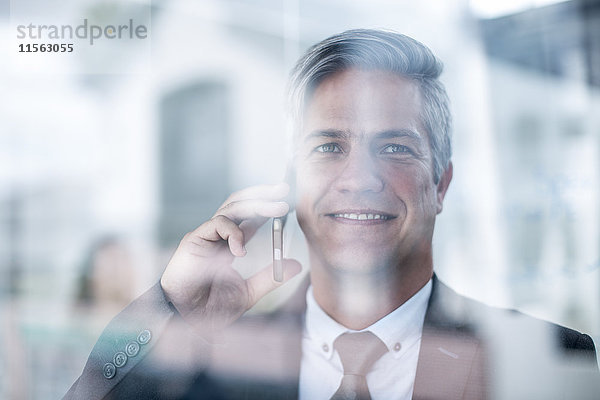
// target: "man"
[[371, 169]]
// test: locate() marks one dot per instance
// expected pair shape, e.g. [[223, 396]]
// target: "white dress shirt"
[[391, 377]]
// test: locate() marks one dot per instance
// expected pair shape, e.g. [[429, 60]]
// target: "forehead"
[[362, 102]]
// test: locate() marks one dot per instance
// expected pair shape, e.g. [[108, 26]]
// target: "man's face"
[[366, 198]]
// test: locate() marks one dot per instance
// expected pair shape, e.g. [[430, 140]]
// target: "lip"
[[361, 216]]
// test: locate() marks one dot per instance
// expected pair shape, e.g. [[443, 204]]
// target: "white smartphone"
[[278, 225], [277, 235]]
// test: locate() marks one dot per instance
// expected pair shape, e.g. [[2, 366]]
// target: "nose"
[[359, 173]]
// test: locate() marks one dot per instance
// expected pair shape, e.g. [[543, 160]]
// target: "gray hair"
[[381, 50]]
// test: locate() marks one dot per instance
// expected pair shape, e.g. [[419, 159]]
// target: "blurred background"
[[103, 170]]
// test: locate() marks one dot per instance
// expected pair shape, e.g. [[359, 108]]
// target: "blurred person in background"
[[371, 168], [107, 280]]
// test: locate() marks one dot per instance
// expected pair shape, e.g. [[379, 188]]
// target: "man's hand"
[[199, 279]]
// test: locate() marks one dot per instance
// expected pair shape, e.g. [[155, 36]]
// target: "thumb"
[[262, 282]]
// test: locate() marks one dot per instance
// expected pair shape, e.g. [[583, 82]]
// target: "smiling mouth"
[[362, 216]]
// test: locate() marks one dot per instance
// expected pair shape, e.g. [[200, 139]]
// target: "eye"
[[328, 148], [396, 148]]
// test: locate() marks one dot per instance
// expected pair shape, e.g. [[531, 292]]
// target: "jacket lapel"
[[451, 361]]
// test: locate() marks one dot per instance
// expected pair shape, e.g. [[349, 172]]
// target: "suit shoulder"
[[566, 338], [459, 309], [572, 339]]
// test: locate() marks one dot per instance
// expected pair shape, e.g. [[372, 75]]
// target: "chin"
[[358, 260]]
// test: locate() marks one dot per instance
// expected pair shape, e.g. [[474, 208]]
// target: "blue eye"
[[328, 148], [395, 148]]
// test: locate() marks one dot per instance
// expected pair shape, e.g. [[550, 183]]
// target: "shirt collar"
[[399, 330], [320, 327]]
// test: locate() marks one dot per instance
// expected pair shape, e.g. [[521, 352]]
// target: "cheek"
[[425, 195], [311, 185], [310, 181], [305, 209], [305, 184], [415, 185]]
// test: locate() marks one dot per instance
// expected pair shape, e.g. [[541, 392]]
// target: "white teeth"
[[360, 216]]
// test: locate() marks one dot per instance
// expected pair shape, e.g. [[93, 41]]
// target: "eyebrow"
[[388, 134], [330, 133], [395, 133]]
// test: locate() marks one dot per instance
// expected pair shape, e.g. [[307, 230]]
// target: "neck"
[[356, 300]]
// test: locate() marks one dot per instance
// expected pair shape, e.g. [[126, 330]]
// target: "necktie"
[[358, 352]]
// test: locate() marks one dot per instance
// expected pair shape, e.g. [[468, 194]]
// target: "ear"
[[442, 186]]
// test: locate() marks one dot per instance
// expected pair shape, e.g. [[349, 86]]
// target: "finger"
[[262, 192], [221, 228], [250, 226], [239, 211], [262, 282]]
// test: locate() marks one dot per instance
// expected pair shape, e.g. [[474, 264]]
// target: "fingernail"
[[284, 205]]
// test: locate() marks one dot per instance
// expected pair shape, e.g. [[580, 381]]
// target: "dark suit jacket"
[[468, 351]]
